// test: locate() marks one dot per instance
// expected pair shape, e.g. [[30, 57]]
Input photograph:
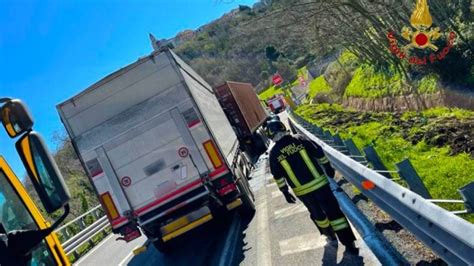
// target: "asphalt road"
[[278, 234]]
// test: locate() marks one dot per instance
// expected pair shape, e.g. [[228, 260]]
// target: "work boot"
[[331, 236], [352, 249]]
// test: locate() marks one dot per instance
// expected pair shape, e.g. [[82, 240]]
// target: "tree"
[[271, 53], [286, 70]]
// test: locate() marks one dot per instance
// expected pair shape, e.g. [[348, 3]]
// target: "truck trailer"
[[158, 149], [245, 113]]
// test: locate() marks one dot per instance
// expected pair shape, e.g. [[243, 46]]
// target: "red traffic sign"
[[183, 152], [126, 181], [277, 79]]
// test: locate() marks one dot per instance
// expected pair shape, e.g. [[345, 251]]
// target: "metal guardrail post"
[[328, 136], [409, 174], [340, 145], [467, 192], [380, 246], [318, 130], [354, 151], [337, 140], [451, 237], [374, 159]]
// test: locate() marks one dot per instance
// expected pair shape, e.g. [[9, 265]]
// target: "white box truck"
[[158, 149]]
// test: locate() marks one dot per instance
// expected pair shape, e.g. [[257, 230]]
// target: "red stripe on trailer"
[[193, 123], [118, 221], [172, 194], [97, 173], [218, 172]]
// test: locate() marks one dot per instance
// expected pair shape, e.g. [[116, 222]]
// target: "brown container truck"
[[245, 113]]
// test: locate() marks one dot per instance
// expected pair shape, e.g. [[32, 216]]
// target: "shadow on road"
[[242, 246], [202, 246], [359, 197], [330, 257], [392, 226]]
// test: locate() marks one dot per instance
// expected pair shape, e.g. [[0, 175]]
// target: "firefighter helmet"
[[274, 127]]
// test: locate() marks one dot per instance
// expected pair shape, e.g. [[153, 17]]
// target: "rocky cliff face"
[[411, 102]]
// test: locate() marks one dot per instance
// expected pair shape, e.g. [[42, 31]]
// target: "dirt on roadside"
[[439, 132]]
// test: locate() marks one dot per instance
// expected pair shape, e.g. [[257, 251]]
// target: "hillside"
[[344, 42], [250, 44]]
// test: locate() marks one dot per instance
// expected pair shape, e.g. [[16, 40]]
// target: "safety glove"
[[289, 198]]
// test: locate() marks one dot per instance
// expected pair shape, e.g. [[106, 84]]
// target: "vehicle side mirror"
[[16, 118], [43, 171]]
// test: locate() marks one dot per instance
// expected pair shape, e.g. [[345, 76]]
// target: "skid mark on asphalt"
[[301, 243]]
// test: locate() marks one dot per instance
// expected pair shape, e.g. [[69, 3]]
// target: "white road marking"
[[94, 249], [301, 243], [126, 259], [288, 211], [276, 194], [264, 256], [272, 185], [129, 256]]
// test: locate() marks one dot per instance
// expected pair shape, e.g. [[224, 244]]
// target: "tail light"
[[226, 186], [213, 154], [109, 205]]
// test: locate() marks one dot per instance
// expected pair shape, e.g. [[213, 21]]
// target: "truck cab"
[[26, 237]]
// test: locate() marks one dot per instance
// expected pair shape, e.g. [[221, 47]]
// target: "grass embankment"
[[368, 82], [439, 142], [302, 72], [274, 90], [270, 92], [317, 86]]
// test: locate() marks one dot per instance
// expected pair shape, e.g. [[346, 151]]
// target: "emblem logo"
[[421, 35]]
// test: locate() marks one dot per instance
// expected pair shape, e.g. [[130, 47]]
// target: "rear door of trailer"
[[152, 161]]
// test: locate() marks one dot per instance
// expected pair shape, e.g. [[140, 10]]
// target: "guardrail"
[[81, 230], [451, 237]]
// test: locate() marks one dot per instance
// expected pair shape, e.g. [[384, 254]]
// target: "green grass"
[[441, 112], [86, 247], [367, 82], [348, 59], [317, 86], [442, 173], [301, 72], [270, 92], [428, 84]]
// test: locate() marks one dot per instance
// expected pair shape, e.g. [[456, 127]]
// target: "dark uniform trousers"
[[298, 162], [325, 213]]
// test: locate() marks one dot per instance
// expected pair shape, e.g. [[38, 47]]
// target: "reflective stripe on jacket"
[[298, 161]]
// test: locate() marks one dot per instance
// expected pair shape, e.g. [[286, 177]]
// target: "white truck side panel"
[[95, 107], [211, 110]]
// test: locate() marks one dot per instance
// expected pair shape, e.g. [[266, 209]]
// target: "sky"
[[51, 50]]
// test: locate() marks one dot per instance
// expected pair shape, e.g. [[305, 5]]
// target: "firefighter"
[[298, 162]]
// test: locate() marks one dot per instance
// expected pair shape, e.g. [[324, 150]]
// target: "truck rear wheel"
[[161, 246], [248, 201]]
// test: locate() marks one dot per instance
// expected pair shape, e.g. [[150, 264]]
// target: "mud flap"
[[129, 233]]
